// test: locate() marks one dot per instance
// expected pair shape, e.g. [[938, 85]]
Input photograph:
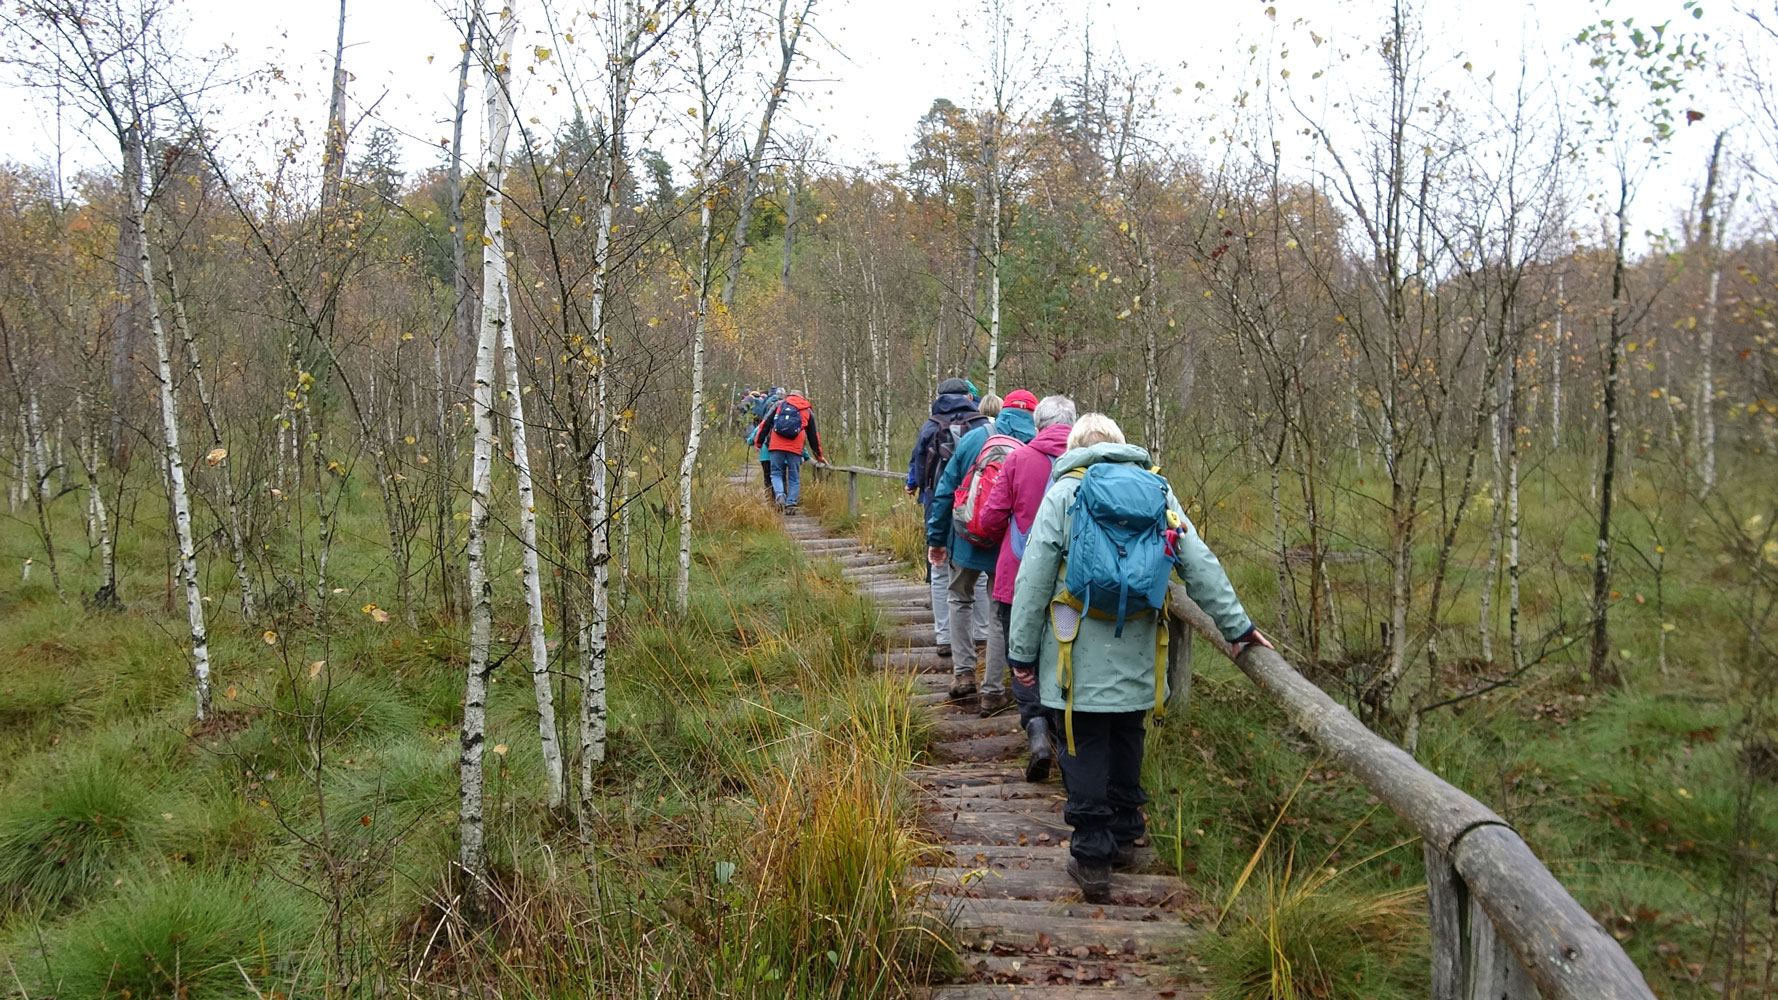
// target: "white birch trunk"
[[472, 855], [1704, 423], [695, 434], [994, 281], [231, 504], [521, 461], [175, 463], [1561, 345]]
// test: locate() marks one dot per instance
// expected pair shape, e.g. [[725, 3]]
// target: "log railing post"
[[1179, 667], [1470, 960], [851, 492]]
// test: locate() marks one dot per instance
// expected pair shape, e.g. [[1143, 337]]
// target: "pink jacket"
[[1016, 495]]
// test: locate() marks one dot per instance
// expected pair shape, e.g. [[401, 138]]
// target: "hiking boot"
[[1094, 881], [789, 509], [993, 703], [962, 687], [944, 650], [1043, 750], [1126, 858]]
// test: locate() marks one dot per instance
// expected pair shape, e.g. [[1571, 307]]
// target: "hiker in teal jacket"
[[971, 565], [1115, 680]]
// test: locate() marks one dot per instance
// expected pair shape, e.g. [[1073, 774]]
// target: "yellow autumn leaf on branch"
[[216, 456]]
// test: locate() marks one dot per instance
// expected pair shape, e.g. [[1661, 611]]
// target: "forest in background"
[[313, 442]]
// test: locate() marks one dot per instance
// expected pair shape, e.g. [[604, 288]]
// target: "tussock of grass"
[[188, 936], [327, 711], [62, 841], [1314, 934]]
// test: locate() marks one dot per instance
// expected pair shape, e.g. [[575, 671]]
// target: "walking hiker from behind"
[[954, 414], [949, 541], [1007, 517], [762, 405], [1086, 618], [786, 430]]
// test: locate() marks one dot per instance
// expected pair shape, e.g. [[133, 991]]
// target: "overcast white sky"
[[876, 65]]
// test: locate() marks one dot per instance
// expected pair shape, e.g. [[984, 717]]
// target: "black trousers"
[[765, 474], [1104, 781], [1023, 695]]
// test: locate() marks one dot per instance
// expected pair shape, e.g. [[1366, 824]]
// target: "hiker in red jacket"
[[1011, 509], [783, 433]]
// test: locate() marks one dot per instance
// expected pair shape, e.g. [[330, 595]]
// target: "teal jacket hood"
[[1104, 451], [1016, 422]]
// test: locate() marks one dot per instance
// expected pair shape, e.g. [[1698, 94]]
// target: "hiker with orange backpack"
[[963, 489], [1087, 622], [787, 430]]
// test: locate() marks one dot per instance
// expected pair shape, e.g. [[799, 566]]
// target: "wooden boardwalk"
[[998, 879]]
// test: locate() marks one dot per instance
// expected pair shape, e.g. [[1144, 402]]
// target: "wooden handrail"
[[1502, 926], [852, 473]]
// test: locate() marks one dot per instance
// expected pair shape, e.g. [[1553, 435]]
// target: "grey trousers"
[[938, 580], [968, 599]]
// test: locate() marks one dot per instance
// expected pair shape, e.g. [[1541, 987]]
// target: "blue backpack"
[[1118, 556], [788, 422]]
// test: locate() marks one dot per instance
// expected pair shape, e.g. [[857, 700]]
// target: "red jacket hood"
[[799, 402]]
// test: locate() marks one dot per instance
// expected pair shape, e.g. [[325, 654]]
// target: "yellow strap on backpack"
[[1065, 622]]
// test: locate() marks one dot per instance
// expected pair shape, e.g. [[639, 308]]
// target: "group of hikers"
[[1050, 543], [783, 429]]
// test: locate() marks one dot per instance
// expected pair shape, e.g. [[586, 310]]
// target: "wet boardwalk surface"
[[998, 877]]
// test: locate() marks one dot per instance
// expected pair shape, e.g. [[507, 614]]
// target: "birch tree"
[[471, 857], [713, 71]]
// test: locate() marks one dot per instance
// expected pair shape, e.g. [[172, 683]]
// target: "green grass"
[[187, 936]]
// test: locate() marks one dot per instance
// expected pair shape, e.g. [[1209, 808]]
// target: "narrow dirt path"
[[999, 877]]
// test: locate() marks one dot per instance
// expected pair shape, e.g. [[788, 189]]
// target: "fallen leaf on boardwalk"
[[216, 456]]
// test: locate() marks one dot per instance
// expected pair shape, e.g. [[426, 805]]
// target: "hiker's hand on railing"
[[935, 555], [1249, 638]]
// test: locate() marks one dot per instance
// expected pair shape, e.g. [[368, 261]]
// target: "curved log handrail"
[[1484, 884]]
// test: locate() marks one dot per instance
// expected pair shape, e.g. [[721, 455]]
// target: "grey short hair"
[[989, 405], [1094, 428], [1052, 410]]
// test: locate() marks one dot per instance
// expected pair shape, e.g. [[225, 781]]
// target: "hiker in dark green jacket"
[[1115, 680], [970, 566]]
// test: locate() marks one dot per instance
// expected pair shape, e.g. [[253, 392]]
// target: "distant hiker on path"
[[784, 433], [951, 523], [1086, 619], [1011, 509], [954, 413], [763, 404]]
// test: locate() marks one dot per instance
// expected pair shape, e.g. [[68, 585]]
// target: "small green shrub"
[[189, 936]]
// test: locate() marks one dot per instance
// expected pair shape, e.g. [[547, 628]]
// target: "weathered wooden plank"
[[980, 749], [1064, 970], [1072, 908], [1093, 991], [1133, 897], [998, 827], [973, 726], [978, 921]]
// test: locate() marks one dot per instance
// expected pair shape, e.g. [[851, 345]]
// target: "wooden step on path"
[[997, 871]]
